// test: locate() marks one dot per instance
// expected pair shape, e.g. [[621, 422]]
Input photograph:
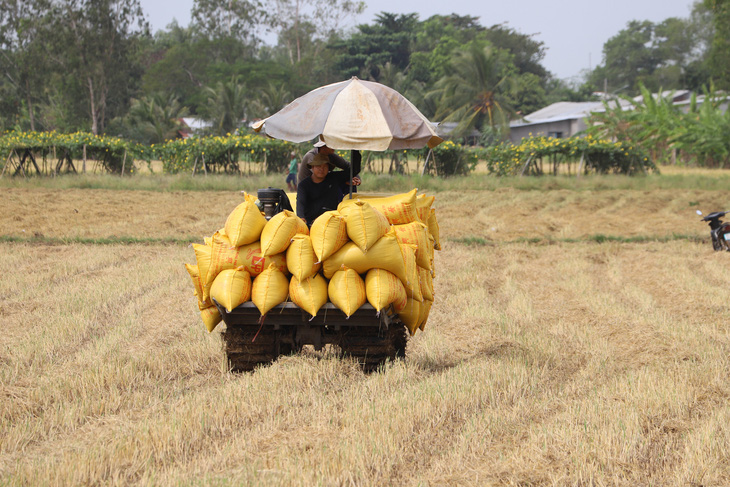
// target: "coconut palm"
[[156, 118], [472, 94], [227, 105], [272, 98]]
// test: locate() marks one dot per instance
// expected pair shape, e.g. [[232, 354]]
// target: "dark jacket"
[[313, 199]]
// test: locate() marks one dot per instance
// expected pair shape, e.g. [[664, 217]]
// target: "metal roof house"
[[565, 118]]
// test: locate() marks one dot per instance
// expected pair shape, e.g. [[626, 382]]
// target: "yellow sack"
[[269, 289], [413, 280], [203, 255], [433, 229], [415, 233], [426, 283], [231, 287], [385, 254], [292, 200], [398, 209], [198, 286], [329, 234], [301, 260], [431, 252], [383, 288], [195, 277], [347, 290], [410, 315], [226, 256], [211, 317], [423, 206], [425, 310], [279, 231], [244, 224], [251, 258], [365, 224], [309, 294]]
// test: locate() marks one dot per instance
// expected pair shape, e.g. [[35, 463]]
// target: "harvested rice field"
[[576, 338]]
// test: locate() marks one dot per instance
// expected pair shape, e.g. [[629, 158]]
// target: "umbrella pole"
[[352, 154]]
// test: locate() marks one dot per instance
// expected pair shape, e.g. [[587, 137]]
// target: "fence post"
[[124, 163], [425, 163], [7, 161], [522, 173], [580, 165], [84, 166]]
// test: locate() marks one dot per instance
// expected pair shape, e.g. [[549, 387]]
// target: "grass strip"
[[714, 180], [597, 238], [468, 241], [42, 240]]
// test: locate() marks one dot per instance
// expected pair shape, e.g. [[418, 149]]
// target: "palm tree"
[[472, 94], [227, 105], [156, 118], [272, 98]]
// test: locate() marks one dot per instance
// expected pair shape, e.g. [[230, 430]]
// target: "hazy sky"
[[573, 31]]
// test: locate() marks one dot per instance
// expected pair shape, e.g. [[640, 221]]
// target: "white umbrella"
[[353, 114]]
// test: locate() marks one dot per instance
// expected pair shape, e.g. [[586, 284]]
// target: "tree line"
[[94, 65]]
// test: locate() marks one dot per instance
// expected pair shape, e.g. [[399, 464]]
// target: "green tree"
[[719, 56], [23, 57], [227, 105], [238, 19], [93, 46], [300, 22], [271, 98], [387, 41], [474, 94], [155, 119]]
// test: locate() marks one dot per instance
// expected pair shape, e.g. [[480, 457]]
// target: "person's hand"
[[356, 181]]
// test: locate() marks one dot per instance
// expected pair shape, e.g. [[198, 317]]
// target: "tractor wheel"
[[372, 349], [247, 347]]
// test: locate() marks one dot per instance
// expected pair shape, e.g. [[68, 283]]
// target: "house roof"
[[563, 110]]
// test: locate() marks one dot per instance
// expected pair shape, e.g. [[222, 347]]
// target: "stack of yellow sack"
[[379, 250]]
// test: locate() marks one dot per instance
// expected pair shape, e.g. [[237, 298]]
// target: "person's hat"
[[319, 143], [318, 160]]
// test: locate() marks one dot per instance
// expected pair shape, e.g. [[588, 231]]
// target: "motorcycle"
[[719, 230]]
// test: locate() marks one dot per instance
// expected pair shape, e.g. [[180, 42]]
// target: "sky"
[[573, 31]]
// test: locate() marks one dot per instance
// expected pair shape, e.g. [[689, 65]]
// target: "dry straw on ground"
[[564, 362]]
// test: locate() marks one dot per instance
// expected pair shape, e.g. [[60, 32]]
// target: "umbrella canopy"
[[353, 114]]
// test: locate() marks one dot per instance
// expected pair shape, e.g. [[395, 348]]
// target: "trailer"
[[251, 340]]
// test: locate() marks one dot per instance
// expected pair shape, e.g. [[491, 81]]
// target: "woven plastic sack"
[[425, 310], [278, 232], [211, 317], [365, 224], [244, 224], [426, 280], [423, 206], [203, 254], [412, 282], [385, 254], [416, 233], [301, 260], [410, 315], [346, 290], [197, 286], [226, 256], [329, 234], [433, 229], [398, 209], [269, 289], [231, 287], [309, 294], [383, 288], [253, 260]]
